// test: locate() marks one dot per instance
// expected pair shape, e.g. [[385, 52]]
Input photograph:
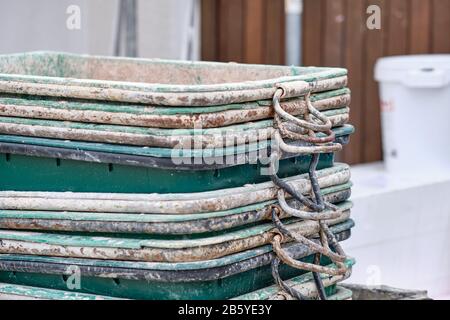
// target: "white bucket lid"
[[420, 71]]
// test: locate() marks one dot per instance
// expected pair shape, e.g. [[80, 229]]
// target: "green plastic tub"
[[153, 82], [220, 278], [34, 164]]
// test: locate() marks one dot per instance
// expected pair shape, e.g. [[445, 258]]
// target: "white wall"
[[402, 237], [163, 27], [27, 25], [35, 25]]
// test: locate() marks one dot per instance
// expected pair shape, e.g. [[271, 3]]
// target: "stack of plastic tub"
[[154, 179]]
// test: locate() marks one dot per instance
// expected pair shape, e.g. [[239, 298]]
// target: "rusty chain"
[[316, 209]]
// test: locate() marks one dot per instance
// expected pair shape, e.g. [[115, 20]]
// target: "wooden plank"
[[222, 53], [312, 32], [398, 24], [251, 31], [441, 26], [420, 27], [333, 37], [230, 33], [209, 30], [275, 32], [354, 62], [374, 47], [253, 47]]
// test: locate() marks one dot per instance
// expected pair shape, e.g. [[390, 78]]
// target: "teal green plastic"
[[147, 218], [225, 288], [151, 75], [27, 292], [167, 242], [136, 109], [221, 288], [140, 240], [28, 173], [156, 132], [153, 151]]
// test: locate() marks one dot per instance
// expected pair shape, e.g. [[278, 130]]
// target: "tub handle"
[[311, 149], [311, 267], [289, 292], [330, 136], [331, 213], [325, 122], [324, 250], [317, 144]]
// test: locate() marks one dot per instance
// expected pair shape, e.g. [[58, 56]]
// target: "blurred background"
[[400, 239], [308, 32]]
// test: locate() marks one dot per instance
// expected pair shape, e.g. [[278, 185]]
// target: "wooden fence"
[[249, 31], [335, 34]]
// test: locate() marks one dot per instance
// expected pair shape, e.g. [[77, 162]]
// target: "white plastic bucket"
[[415, 112]]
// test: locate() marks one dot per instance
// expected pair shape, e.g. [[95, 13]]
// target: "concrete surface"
[[402, 232]]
